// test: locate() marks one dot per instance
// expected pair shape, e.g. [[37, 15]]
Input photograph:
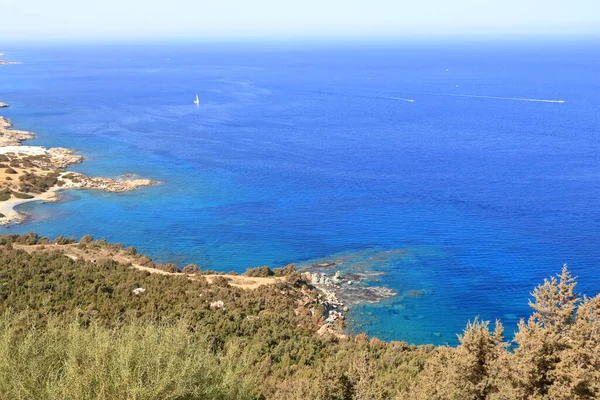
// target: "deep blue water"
[[306, 153]]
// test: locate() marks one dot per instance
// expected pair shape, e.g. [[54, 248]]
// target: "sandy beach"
[[36, 173], [7, 208]]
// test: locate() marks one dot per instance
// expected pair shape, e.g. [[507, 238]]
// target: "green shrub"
[[30, 238], [287, 270], [191, 269], [139, 360], [259, 272], [86, 239], [145, 261], [167, 267], [61, 240], [8, 239], [10, 171], [22, 195], [220, 281]]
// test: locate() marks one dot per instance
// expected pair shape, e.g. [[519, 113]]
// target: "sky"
[[279, 19]]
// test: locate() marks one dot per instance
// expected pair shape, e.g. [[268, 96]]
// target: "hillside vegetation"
[[96, 328]]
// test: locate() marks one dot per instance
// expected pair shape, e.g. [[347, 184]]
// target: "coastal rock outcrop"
[[12, 137], [76, 180], [34, 173], [350, 287]]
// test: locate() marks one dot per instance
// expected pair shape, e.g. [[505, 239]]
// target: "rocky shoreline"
[[36, 173], [338, 292]]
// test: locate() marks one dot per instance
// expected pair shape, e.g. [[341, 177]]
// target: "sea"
[[460, 174]]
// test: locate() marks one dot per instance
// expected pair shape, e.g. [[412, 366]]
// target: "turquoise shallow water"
[[309, 153]]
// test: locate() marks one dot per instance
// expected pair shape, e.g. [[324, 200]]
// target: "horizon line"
[[325, 39]]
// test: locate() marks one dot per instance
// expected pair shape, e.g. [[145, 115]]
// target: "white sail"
[[197, 101]]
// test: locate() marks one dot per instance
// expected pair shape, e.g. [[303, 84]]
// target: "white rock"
[[314, 278], [217, 304]]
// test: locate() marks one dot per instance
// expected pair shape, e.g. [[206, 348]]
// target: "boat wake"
[[503, 98], [399, 99], [476, 96]]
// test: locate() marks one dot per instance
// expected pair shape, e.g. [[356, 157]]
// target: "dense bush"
[[22, 195], [63, 240], [138, 360], [172, 268], [29, 238], [85, 239], [289, 269], [37, 183], [261, 340], [259, 272], [145, 261], [191, 269]]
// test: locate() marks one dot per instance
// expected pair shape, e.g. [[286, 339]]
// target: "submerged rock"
[[325, 264], [415, 294]]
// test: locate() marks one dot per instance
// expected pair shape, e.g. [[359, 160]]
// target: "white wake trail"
[[476, 96], [502, 98], [400, 99]]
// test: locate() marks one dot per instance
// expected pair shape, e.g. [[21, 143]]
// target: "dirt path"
[[74, 252]]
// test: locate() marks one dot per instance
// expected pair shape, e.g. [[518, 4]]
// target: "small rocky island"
[[34, 173], [4, 62]]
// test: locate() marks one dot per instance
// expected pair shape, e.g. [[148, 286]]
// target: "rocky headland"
[[36, 173]]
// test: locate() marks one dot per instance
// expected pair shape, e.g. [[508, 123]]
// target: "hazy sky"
[[43, 19]]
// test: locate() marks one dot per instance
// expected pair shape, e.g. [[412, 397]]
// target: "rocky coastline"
[[36, 173], [338, 292]]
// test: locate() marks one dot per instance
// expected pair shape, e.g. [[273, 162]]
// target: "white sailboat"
[[197, 101]]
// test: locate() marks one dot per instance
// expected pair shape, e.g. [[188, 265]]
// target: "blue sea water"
[[305, 152]]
